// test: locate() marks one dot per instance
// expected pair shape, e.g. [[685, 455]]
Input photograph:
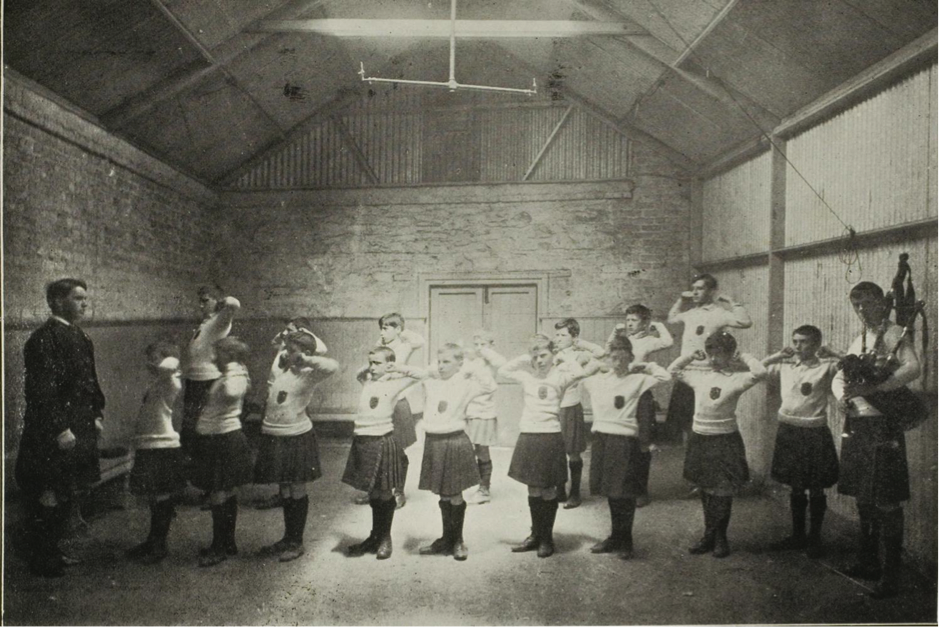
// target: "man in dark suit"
[[58, 451]]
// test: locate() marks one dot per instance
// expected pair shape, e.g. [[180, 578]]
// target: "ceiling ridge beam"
[[464, 29], [223, 54]]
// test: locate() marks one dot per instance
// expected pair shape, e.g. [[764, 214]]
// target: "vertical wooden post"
[[777, 241]]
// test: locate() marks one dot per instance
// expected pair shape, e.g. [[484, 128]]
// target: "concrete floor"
[[662, 585]]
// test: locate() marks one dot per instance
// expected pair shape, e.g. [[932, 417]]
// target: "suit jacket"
[[62, 392]]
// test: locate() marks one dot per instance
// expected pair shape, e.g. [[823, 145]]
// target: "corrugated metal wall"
[[735, 210], [404, 145], [874, 164]]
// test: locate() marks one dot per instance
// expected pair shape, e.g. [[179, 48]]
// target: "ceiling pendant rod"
[[451, 84]]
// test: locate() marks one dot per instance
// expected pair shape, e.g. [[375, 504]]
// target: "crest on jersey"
[[806, 388], [373, 402], [619, 402], [543, 392], [715, 393], [281, 397], [699, 330], [442, 407]]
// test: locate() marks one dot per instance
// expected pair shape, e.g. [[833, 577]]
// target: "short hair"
[[393, 319], [212, 290], [539, 342], [720, 342], [572, 326], [484, 335], [304, 340], [866, 288], [233, 348], [161, 349], [811, 332], [642, 311], [386, 352], [621, 343], [302, 322], [454, 349], [708, 279], [61, 289]]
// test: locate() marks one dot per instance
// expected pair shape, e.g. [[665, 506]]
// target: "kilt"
[[375, 463], [483, 431], [539, 460], [221, 462], [873, 461], [573, 429], [805, 457], [718, 462], [680, 408], [288, 459], [616, 465], [157, 471], [449, 464], [195, 396], [403, 421]]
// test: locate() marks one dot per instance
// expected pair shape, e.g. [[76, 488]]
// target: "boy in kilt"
[[617, 462], [449, 464], [288, 454], [376, 465], [715, 459], [539, 459], [804, 456], [158, 459]]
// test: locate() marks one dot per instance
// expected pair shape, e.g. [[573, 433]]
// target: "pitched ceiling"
[[198, 84]]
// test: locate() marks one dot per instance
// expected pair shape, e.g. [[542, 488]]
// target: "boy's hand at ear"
[[687, 295], [788, 351]]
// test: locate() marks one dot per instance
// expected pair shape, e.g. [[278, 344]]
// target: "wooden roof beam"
[[440, 29], [193, 73]]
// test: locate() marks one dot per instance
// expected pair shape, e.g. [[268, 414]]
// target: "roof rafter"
[[624, 127], [659, 52], [220, 57]]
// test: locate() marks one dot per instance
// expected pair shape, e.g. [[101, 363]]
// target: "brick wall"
[[81, 202], [348, 255]]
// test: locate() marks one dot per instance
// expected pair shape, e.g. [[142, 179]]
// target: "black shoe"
[[440, 546], [721, 547], [610, 545], [704, 545], [212, 557], [384, 548], [573, 502], [369, 545], [460, 552], [546, 547], [157, 555], [528, 544]]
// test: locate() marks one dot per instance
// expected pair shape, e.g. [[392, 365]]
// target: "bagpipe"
[[872, 367]]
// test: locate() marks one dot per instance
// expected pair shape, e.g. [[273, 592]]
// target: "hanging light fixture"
[[452, 83]]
